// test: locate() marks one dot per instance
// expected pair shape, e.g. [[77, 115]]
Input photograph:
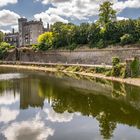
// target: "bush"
[[127, 39], [118, 70], [45, 41], [72, 46], [4, 47], [135, 67], [115, 61], [101, 44]]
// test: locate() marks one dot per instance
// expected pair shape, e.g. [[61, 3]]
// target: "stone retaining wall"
[[73, 57]]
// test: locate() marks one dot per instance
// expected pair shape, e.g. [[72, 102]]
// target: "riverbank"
[[132, 81]]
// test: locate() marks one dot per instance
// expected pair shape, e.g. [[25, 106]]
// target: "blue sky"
[[51, 11]]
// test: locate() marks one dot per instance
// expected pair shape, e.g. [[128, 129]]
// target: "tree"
[[94, 35], [1, 36], [127, 39], [63, 34], [106, 13], [45, 40]]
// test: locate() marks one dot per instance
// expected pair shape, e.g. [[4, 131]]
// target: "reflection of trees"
[[106, 126], [118, 89], [64, 97], [4, 85], [108, 111]]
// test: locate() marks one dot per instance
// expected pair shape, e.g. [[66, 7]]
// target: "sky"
[[51, 11]]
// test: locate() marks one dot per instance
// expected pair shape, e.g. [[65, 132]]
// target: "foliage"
[[106, 31], [101, 70], [127, 39], [4, 47], [115, 61], [1, 36], [135, 67], [118, 69], [45, 41], [106, 13], [94, 35]]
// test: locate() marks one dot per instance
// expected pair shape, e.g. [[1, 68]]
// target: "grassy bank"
[[88, 71]]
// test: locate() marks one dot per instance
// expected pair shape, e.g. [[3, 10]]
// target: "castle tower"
[[21, 23]]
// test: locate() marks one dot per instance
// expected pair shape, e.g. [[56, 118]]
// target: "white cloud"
[[6, 2], [8, 18], [122, 18], [82, 9], [7, 115], [33, 129], [5, 31], [8, 98], [56, 117], [52, 18]]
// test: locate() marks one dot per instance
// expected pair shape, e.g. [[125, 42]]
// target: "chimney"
[[13, 31], [48, 26]]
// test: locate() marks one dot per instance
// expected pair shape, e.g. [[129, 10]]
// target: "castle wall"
[[73, 57]]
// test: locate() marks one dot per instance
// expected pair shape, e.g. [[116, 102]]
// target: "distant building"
[[29, 31], [12, 38]]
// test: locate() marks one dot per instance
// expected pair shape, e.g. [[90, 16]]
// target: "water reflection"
[[32, 106], [56, 117], [28, 130], [7, 115]]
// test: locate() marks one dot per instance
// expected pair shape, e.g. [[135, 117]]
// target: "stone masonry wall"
[[72, 57]]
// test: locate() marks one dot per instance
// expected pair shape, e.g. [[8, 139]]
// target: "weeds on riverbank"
[[118, 69]]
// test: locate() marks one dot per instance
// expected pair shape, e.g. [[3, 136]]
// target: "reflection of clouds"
[[10, 76], [7, 115], [55, 117], [28, 130], [8, 99]]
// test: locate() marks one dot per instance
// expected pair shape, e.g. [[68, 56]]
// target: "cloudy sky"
[[75, 11]]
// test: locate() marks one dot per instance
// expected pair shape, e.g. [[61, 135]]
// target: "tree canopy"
[[106, 13], [106, 31]]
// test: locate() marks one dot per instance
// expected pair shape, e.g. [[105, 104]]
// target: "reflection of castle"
[[28, 33], [29, 95]]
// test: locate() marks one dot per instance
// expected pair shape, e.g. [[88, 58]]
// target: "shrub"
[[118, 70], [101, 44], [115, 61], [4, 47], [72, 46], [127, 39], [135, 67], [45, 41]]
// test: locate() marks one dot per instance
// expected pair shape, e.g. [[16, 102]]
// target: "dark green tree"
[[1, 36]]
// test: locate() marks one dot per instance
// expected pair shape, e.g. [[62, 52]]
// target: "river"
[[46, 106]]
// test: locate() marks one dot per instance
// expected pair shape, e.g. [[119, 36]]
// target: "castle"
[[28, 33]]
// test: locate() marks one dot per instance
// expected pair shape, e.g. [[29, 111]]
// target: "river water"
[[44, 106]]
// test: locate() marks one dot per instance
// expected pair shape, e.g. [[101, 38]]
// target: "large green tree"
[[106, 13]]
